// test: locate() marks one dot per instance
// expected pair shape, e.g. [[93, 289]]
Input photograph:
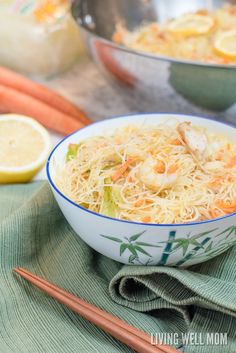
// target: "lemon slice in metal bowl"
[[24, 148], [192, 24], [225, 44]]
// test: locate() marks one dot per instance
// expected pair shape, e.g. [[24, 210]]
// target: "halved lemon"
[[225, 44], [192, 24], [24, 148]]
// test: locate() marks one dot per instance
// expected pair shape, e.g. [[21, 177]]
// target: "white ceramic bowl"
[[140, 243]]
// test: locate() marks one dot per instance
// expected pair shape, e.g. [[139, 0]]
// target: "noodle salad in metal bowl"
[[205, 36]]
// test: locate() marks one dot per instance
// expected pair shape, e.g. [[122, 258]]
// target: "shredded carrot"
[[176, 142], [215, 181], [214, 213], [231, 163], [221, 208], [229, 178], [122, 169], [146, 219], [218, 180], [160, 167], [130, 179], [142, 202], [172, 169], [149, 202], [226, 207]]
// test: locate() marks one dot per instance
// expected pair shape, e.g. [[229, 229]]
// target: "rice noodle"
[[197, 194]]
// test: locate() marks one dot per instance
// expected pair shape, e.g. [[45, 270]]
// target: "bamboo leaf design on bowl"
[[174, 244], [147, 244], [132, 245], [197, 236], [136, 236], [215, 252], [193, 252], [200, 245], [181, 243], [117, 240], [194, 240], [229, 230], [132, 249], [123, 247], [138, 248], [168, 248], [132, 258], [209, 247]]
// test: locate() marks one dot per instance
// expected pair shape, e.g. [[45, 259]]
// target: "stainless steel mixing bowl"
[[207, 85]]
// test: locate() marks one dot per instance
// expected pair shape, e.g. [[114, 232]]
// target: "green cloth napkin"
[[35, 235]]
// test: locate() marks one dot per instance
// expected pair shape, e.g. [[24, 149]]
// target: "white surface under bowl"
[[140, 243]]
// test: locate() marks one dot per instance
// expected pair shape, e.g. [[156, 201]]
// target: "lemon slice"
[[24, 148], [191, 24], [225, 44]]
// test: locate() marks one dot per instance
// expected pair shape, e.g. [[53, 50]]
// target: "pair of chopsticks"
[[125, 333], [20, 95]]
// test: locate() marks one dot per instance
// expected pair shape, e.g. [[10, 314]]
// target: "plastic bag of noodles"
[[38, 37]]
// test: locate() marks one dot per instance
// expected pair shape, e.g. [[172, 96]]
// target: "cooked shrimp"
[[195, 141], [150, 177]]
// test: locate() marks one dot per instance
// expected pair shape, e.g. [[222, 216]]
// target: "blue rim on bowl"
[[121, 220]]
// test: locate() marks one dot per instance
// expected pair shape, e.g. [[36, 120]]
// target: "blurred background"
[[44, 41]]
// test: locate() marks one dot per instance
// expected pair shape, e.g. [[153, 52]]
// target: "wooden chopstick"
[[127, 334], [95, 309]]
